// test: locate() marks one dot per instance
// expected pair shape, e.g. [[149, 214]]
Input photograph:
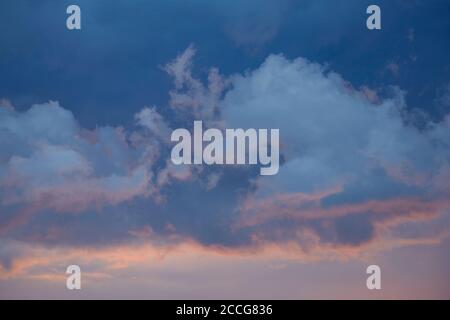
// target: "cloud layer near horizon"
[[356, 175]]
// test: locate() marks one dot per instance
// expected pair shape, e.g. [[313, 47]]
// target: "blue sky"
[[85, 170], [111, 68]]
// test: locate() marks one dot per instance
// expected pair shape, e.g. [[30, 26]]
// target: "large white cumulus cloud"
[[332, 133], [355, 171]]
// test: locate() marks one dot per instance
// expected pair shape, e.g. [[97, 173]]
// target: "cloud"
[[332, 133], [190, 97], [341, 144], [48, 162], [154, 122], [354, 172]]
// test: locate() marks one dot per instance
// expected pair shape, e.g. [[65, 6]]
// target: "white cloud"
[[51, 162], [330, 132]]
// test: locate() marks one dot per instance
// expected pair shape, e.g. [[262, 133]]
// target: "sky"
[[86, 176]]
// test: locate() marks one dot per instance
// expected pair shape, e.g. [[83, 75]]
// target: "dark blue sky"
[[112, 67]]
